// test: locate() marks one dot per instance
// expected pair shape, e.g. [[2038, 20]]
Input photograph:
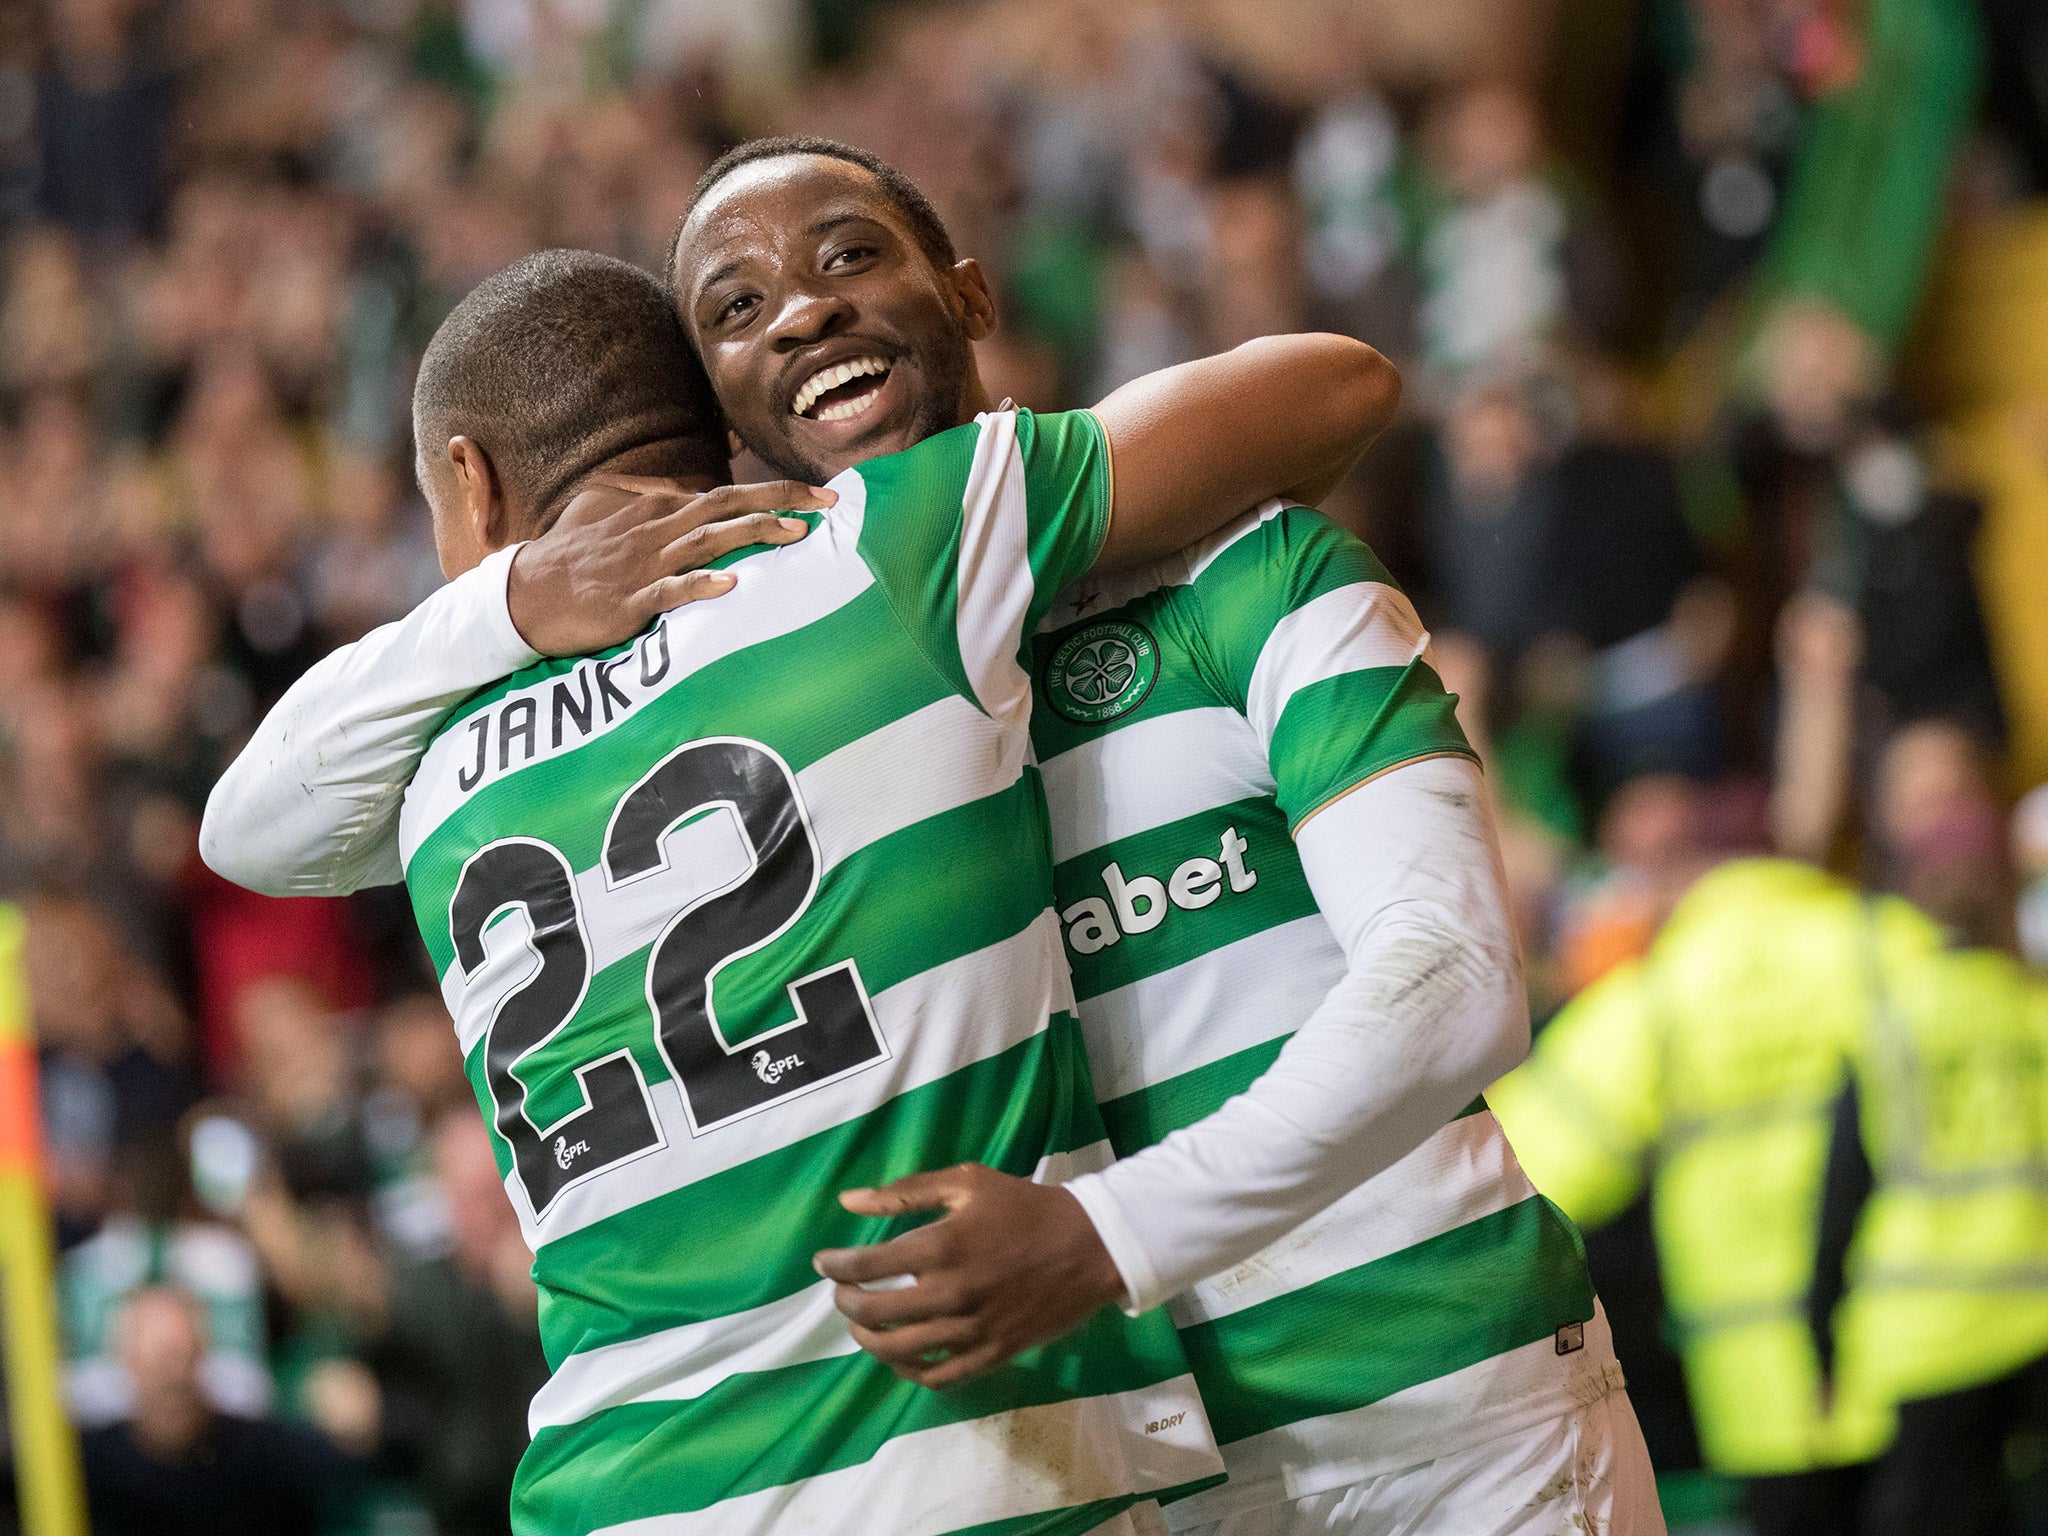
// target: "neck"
[[974, 395], [169, 1424], [686, 463]]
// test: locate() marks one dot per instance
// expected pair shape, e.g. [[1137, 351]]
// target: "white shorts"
[[1585, 1473]]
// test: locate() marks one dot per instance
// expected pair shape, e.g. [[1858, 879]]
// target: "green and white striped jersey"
[[754, 910], [1190, 717]]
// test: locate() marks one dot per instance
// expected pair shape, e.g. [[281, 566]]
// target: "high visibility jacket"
[[1713, 1067], [1949, 1273]]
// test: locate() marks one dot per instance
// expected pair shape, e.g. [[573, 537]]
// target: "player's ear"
[[977, 304], [480, 494]]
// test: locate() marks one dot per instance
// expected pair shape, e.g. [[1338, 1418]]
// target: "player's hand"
[[629, 547], [1011, 1264]]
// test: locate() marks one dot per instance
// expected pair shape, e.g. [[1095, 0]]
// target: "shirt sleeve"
[[1067, 488], [975, 531], [1429, 1011], [1323, 653], [311, 806]]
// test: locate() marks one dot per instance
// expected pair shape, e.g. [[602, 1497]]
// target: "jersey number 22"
[[834, 1032]]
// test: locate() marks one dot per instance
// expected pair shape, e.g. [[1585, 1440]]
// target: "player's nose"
[[807, 315]]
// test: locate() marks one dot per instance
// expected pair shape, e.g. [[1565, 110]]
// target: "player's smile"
[[828, 333], [841, 394]]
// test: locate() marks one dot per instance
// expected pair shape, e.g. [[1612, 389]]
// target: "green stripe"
[[879, 907], [910, 538], [664, 1458], [1185, 680], [1073, 1522], [745, 1237], [1279, 893], [1339, 732], [1143, 1118], [1287, 562], [1450, 1301], [1066, 499]]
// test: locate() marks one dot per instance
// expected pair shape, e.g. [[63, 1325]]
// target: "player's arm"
[[311, 805], [1327, 660], [1429, 1011], [1192, 446]]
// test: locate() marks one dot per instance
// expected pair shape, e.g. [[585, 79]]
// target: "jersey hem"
[[1308, 1468]]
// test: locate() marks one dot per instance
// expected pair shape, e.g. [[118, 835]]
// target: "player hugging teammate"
[[1028, 833]]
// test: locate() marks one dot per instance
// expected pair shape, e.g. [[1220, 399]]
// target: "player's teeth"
[[832, 378], [846, 408]]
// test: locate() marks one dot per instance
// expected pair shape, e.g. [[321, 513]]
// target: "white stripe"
[[1212, 1006], [1027, 1461], [935, 1023], [687, 1361], [1510, 1392], [1094, 594], [1367, 624], [1463, 1172], [779, 593], [1203, 555], [944, 756], [995, 580], [1060, 1167], [1097, 594], [1149, 773]]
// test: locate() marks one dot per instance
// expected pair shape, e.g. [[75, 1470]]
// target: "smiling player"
[[1429, 1342], [756, 906], [1284, 910]]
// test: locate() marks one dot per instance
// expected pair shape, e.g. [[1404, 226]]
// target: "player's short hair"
[[925, 224], [559, 363]]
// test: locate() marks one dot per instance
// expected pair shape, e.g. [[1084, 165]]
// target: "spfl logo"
[[565, 1154], [770, 1070], [1102, 671]]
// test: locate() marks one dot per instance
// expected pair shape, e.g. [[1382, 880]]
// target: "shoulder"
[[1292, 551]]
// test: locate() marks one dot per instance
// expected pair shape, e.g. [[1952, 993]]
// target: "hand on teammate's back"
[[1011, 1264], [629, 547]]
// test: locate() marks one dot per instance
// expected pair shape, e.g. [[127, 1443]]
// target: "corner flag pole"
[[45, 1448]]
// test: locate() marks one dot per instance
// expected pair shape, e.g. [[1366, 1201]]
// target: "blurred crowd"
[[1700, 550]]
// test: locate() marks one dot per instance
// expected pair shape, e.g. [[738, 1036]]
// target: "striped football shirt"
[[1190, 717], [756, 909]]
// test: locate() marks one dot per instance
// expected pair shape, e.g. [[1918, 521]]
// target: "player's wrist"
[[1097, 1278], [1134, 1281]]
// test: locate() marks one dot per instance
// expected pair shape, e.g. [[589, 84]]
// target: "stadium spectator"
[[174, 1465], [1688, 516]]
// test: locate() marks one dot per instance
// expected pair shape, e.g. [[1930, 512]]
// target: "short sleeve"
[[1066, 499], [1311, 638], [975, 531]]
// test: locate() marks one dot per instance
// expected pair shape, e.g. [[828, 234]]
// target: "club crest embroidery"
[[1102, 671]]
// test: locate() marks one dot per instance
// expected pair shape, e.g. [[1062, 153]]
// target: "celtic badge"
[[1102, 671]]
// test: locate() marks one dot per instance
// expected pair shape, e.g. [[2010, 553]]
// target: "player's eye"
[[848, 256], [735, 307]]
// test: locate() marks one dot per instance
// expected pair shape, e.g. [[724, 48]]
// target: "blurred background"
[[1722, 482]]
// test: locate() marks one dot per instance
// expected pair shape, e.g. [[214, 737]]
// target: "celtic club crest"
[[1101, 671]]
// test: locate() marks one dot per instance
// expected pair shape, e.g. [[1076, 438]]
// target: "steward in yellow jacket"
[[1783, 1027]]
